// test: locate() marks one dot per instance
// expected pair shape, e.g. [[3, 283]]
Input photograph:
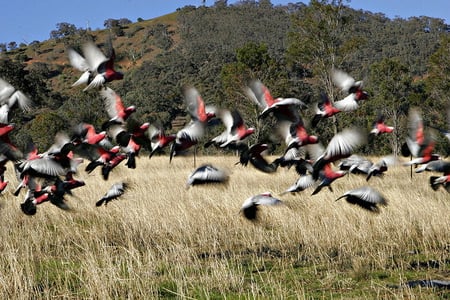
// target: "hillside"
[[218, 49]]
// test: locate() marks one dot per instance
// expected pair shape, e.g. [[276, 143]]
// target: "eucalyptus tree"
[[392, 92], [320, 39]]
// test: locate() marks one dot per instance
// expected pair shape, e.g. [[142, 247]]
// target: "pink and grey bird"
[[366, 198], [282, 108], [96, 67], [251, 205], [207, 174], [114, 192]]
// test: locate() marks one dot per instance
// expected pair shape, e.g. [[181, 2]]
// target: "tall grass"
[[164, 240]]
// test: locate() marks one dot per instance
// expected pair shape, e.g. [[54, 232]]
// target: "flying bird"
[[235, 130], [326, 177], [341, 145], [207, 174], [379, 127], [365, 197], [158, 139], [117, 111], [324, 109], [254, 155], [195, 105], [356, 164], [115, 191], [437, 181], [251, 205], [381, 166], [420, 142], [96, 67], [295, 134], [282, 108], [187, 137], [301, 184], [11, 96], [348, 84]]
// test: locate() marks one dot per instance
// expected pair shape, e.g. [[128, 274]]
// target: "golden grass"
[[163, 240]]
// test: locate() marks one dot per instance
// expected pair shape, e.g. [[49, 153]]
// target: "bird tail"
[[105, 171], [131, 162], [92, 165], [315, 120], [317, 190], [434, 186]]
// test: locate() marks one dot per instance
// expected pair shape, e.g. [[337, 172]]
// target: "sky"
[[25, 21]]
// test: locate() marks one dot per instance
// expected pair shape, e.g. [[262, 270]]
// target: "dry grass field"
[[161, 240]]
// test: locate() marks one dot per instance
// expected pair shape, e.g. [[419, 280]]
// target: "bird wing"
[[347, 104], [4, 113], [193, 131], [345, 142], [302, 183], [195, 105], [77, 60], [257, 91], [366, 194], [113, 102], [97, 82], [342, 80], [93, 55], [114, 191], [266, 199], [6, 90]]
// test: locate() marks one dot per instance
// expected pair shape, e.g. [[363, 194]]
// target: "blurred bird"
[[116, 190], [324, 109], [365, 197], [10, 98], [195, 106], [440, 166], [340, 146], [437, 181], [7, 148], [187, 137], [295, 134], [207, 174], [282, 108], [379, 127], [253, 154], [54, 162], [326, 177], [301, 184], [86, 133], [118, 113], [250, 206], [96, 67], [108, 159], [381, 166], [419, 142], [355, 164], [235, 130], [348, 84], [158, 138]]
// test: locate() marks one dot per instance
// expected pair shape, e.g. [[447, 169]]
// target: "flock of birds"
[[50, 175]]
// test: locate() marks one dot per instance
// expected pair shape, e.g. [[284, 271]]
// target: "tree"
[[114, 26], [438, 79], [63, 29], [390, 96], [12, 45], [319, 41]]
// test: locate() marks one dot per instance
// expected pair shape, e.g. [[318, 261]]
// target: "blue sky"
[[29, 20]]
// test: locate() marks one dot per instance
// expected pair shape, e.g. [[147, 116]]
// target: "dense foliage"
[[218, 49]]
